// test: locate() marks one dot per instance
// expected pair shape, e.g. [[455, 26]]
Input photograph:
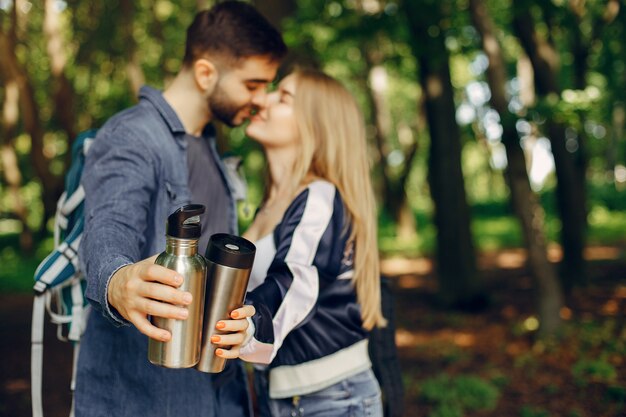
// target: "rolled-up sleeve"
[[119, 179]]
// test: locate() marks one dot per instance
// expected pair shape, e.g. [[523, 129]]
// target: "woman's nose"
[[264, 100]]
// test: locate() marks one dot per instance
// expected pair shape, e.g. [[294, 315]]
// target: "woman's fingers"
[[232, 325], [227, 339], [231, 353], [243, 312]]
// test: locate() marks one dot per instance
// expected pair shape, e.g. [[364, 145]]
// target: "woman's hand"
[[230, 343]]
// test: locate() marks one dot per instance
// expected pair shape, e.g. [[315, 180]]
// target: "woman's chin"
[[252, 133]]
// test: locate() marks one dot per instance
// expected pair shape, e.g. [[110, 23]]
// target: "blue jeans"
[[357, 396]]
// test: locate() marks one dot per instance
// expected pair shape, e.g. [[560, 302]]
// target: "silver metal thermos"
[[229, 261], [181, 255]]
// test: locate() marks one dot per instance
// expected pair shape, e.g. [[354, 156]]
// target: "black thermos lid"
[[230, 250], [184, 223]]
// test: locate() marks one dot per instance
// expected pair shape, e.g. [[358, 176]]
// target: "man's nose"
[[259, 99]]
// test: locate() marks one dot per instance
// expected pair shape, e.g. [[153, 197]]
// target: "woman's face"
[[274, 126]]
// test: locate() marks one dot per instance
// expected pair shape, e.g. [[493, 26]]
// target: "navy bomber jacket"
[[308, 325]]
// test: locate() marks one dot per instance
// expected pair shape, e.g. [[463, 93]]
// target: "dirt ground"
[[535, 380]]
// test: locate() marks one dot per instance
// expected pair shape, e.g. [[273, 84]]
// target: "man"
[[144, 163]]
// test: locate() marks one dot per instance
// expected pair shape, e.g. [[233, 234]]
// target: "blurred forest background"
[[497, 137]]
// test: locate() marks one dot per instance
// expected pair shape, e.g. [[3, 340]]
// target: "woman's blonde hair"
[[333, 147]]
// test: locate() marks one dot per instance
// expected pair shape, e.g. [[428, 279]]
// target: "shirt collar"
[[155, 97]]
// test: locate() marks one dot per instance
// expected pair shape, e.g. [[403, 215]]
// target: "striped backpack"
[[59, 282]]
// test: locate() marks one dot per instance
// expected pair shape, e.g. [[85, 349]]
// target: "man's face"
[[242, 89]]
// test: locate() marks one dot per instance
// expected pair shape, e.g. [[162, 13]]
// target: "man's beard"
[[222, 108]]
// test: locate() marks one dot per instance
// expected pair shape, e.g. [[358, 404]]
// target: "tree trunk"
[[14, 72], [616, 135], [395, 200], [569, 164], [63, 95], [9, 164], [456, 262], [525, 202], [134, 72]]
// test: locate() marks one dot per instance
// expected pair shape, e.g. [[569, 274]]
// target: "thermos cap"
[[184, 223], [230, 250]]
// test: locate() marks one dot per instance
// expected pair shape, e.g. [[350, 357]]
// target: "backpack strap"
[[66, 205], [384, 356], [36, 357], [62, 263], [60, 271], [80, 311], [73, 383], [60, 222]]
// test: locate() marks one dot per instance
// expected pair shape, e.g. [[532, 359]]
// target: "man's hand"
[[143, 289], [231, 343]]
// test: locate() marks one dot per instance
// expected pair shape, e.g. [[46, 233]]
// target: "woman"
[[315, 282]]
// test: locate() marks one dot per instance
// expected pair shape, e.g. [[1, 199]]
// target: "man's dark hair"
[[232, 30]]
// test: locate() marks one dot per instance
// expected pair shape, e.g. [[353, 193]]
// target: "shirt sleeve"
[[289, 294], [119, 181]]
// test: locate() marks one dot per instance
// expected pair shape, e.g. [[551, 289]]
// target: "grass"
[[493, 233]]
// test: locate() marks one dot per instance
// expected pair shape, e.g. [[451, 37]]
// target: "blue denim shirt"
[[136, 175]]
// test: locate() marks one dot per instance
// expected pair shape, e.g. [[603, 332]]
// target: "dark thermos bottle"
[[229, 261], [181, 255]]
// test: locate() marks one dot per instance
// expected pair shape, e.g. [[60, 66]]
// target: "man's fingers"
[[165, 293], [165, 310], [144, 326], [158, 273]]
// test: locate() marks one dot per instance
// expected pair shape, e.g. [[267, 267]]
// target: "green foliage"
[[499, 379], [598, 370], [18, 270], [617, 394], [602, 336], [526, 361], [447, 410], [575, 413], [529, 411], [442, 352], [453, 396]]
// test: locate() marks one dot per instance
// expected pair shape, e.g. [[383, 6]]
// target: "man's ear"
[[206, 75]]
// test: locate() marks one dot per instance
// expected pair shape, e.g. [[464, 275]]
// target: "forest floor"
[[581, 375]]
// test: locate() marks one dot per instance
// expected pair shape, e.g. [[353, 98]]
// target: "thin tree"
[[456, 261], [525, 202], [29, 112], [63, 95], [394, 197], [570, 163]]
